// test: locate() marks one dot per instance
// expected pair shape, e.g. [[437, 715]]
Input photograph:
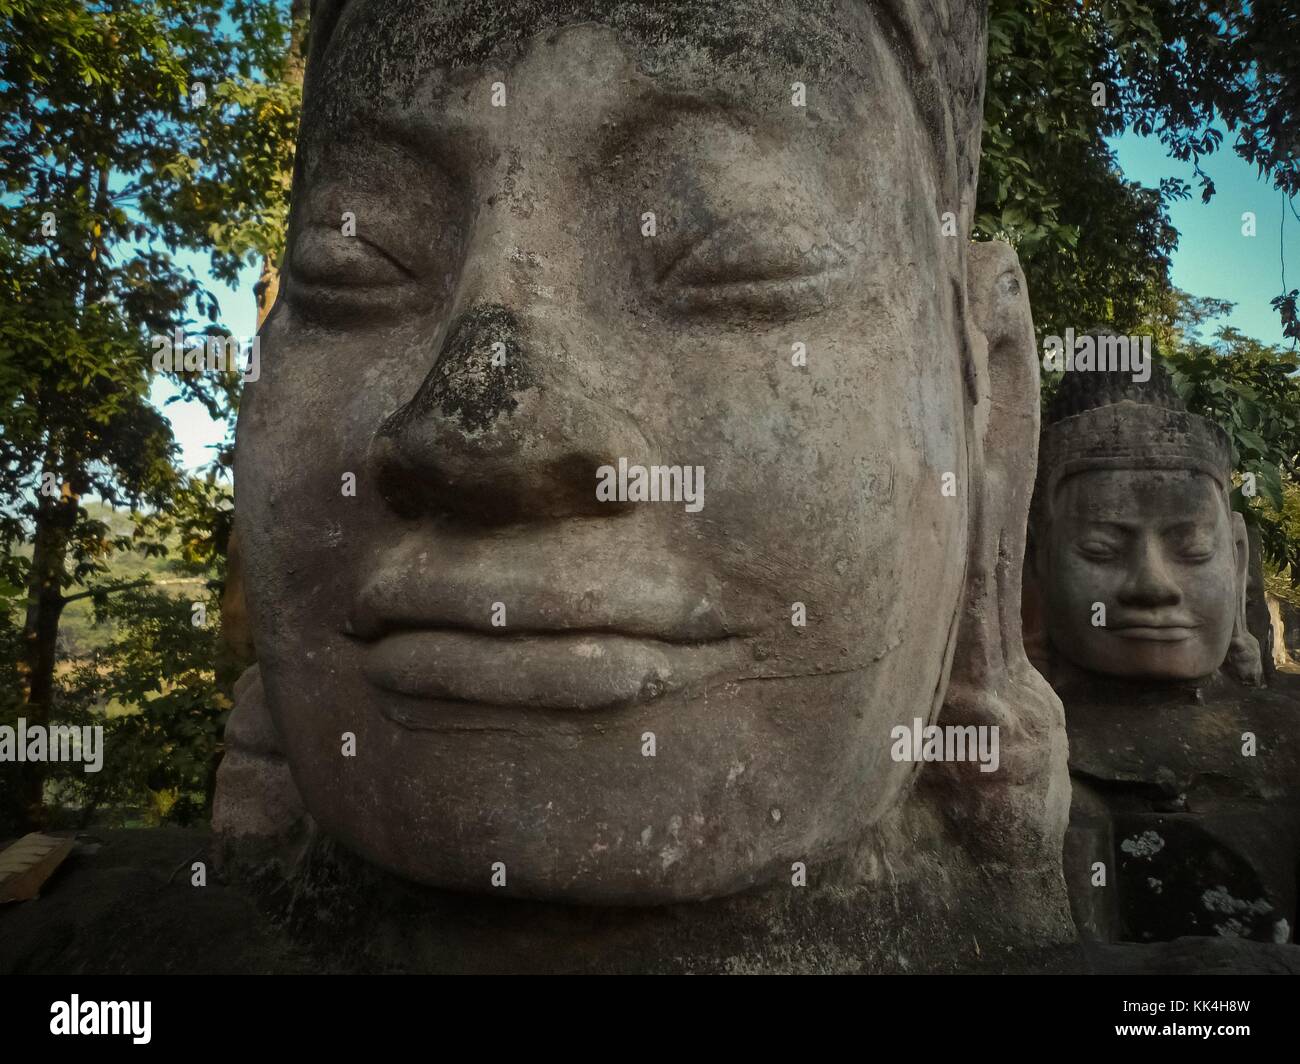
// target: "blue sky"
[[195, 431], [1213, 259]]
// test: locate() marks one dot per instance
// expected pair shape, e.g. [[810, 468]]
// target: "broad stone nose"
[[1150, 582], [495, 433]]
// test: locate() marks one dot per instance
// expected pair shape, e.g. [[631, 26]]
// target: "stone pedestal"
[[1186, 810]]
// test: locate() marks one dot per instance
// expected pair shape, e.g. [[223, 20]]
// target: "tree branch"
[[104, 590]]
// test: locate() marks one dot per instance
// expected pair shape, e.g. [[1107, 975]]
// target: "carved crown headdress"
[[1104, 419]]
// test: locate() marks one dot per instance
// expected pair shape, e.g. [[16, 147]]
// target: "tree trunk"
[[266, 289], [235, 645], [55, 519], [295, 64]]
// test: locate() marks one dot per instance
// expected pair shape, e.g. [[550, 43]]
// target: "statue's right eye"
[[372, 239], [1097, 550], [327, 256], [344, 280]]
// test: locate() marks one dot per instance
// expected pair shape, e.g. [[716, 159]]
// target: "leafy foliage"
[[130, 130], [165, 714], [1253, 391], [1065, 77]]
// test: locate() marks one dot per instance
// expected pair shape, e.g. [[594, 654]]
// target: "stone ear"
[[322, 23], [1243, 662], [1022, 808], [1006, 826], [1004, 447], [255, 793]]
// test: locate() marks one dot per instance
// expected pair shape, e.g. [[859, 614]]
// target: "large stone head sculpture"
[[1138, 556], [728, 239]]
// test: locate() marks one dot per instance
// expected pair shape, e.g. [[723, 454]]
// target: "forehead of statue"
[[431, 86], [1138, 497], [822, 35], [369, 52]]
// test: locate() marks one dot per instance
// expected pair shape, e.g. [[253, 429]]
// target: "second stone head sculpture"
[[1138, 556], [587, 232]]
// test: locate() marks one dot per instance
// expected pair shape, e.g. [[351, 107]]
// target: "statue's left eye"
[[1196, 552], [745, 251], [1193, 543], [743, 266]]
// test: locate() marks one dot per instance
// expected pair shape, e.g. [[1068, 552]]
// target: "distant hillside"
[[78, 634]]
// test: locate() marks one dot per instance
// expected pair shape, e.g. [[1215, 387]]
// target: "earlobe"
[[1023, 807], [1005, 349], [1006, 444], [1241, 554]]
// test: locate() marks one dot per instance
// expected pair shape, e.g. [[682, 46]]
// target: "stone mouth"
[[1155, 633], [574, 670], [471, 596]]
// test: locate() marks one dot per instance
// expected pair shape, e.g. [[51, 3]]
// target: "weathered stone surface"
[[124, 905], [505, 321], [1196, 834], [255, 792], [1185, 816], [1139, 563], [1259, 621], [235, 652]]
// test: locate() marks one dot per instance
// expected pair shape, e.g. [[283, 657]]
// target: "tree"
[[1252, 391], [122, 141], [280, 97], [160, 760], [1065, 77]]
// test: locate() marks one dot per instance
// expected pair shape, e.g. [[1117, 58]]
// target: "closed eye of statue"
[[741, 266], [1196, 549], [339, 278], [327, 256], [1097, 550]]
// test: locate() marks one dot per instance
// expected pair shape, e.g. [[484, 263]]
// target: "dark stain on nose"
[[465, 386]]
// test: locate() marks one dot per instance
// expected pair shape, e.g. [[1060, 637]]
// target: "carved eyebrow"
[[416, 140], [1090, 526], [658, 107], [1184, 527], [422, 140], [424, 144]]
